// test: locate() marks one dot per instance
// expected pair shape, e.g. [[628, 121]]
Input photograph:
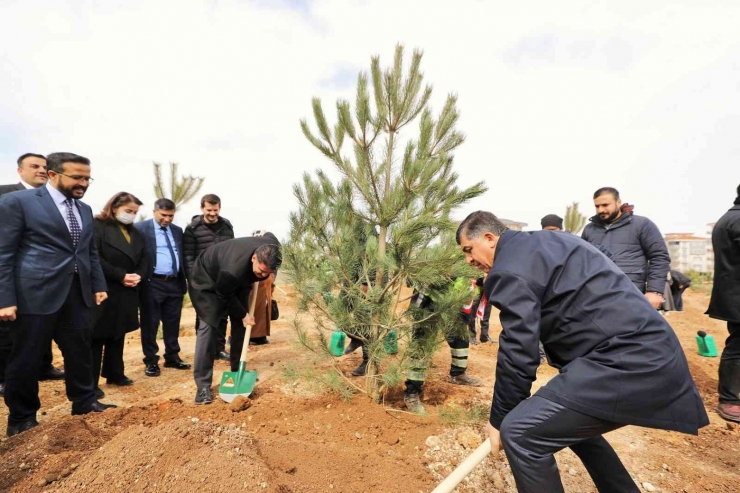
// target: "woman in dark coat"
[[121, 250]]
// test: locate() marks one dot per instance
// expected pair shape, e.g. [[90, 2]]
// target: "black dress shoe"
[[99, 393], [121, 382], [152, 370], [51, 373], [203, 396], [258, 341], [95, 407], [223, 355], [25, 426], [177, 365]]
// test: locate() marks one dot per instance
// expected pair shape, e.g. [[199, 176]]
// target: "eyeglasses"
[[78, 178]]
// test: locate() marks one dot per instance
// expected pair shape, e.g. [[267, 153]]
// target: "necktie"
[[74, 227], [172, 252]]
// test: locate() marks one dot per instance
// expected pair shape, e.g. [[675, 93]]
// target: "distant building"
[[690, 252], [515, 225]]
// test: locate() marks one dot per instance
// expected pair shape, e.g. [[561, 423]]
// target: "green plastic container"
[[706, 345], [390, 343], [336, 344]]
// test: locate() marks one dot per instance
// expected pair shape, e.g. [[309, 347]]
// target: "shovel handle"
[[451, 481], [252, 304]]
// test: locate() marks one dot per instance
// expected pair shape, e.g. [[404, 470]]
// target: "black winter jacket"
[[637, 247], [725, 303], [199, 236]]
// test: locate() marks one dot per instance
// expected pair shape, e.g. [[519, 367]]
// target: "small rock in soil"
[[432, 441], [240, 403], [648, 487], [292, 470], [572, 471]]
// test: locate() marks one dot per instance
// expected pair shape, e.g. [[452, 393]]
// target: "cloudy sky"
[[557, 99]]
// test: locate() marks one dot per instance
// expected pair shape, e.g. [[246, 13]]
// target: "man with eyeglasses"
[[50, 278], [32, 174]]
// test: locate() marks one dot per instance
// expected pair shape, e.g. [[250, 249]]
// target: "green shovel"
[[241, 382]]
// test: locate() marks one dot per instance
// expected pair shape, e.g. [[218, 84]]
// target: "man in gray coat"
[[636, 245], [620, 362]]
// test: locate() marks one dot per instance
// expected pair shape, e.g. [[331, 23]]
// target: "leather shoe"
[[51, 373], [123, 382], [223, 355], [730, 412], [25, 426], [177, 365], [99, 393], [152, 370], [203, 396], [95, 407], [258, 341], [2, 389]]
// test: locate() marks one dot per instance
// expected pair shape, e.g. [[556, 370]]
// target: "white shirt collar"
[[57, 196], [28, 187]]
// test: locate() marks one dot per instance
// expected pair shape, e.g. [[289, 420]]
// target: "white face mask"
[[125, 217]]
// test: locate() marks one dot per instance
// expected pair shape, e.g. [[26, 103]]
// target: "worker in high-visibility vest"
[[423, 339]]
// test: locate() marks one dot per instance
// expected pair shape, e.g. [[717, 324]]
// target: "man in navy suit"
[[163, 288], [50, 277], [620, 362]]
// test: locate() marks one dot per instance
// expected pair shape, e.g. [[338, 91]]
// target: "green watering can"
[[336, 343], [706, 345]]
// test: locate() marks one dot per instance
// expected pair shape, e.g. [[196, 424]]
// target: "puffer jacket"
[[199, 236], [637, 247]]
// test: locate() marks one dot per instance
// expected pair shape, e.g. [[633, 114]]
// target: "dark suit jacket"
[[222, 278], [120, 312], [619, 359], [11, 188], [146, 228], [37, 258]]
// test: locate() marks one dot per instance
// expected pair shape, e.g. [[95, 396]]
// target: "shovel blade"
[[234, 383]]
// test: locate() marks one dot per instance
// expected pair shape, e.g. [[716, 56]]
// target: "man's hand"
[[100, 297], [249, 320], [131, 280], [8, 313], [655, 299], [495, 437]]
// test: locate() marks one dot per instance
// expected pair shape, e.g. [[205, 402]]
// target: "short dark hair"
[[270, 255], [164, 205], [29, 154], [478, 223], [601, 191], [211, 198], [118, 200], [55, 161]]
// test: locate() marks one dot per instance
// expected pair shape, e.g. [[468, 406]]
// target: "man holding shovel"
[[220, 285], [620, 362]]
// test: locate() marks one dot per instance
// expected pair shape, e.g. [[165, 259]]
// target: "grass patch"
[[454, 415], [318, 381], [291, 373]]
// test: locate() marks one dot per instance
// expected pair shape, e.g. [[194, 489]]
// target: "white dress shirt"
[[59, 199], [28, 187]]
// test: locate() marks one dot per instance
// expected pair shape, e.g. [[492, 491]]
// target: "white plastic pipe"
[[451, 481]]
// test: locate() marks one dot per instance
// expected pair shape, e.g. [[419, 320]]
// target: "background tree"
[[574, 221], [387, 222], [182, 188]]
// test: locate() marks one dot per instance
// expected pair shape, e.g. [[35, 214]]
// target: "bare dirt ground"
[[295, 437]]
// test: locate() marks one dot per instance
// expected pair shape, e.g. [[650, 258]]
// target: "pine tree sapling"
[[574, 221], [356, 245], [182, 188]]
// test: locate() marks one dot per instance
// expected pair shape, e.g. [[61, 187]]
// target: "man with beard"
[[32, 173], [725, 305], [636, 244], [50, 277], [204, 231], [220, 285], [620, 362]]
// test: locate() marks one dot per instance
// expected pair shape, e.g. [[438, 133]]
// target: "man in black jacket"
[[220, 285], [635, 242], [32, 173], [206, 230], [725, 305], [620, 362]]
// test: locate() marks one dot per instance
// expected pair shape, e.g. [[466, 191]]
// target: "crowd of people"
[[589, 305], [86, 280]]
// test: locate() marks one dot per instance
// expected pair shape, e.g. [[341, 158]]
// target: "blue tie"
[[172, 252]]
